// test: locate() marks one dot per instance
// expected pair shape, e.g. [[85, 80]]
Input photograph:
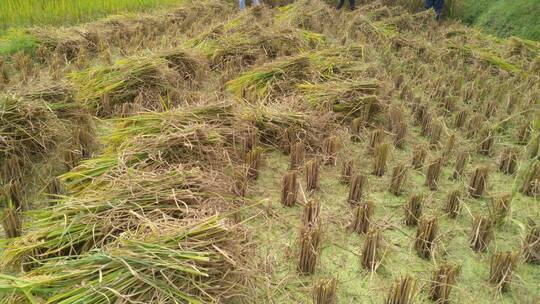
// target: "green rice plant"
[[15, 41], [56, 12], [116, 204], [186, 263]]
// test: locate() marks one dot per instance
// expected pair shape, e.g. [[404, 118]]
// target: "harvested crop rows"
[[292, 154]]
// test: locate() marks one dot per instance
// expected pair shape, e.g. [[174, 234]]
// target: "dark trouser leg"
[[341, 2], [438, 5], [429, 4], [351, 4]]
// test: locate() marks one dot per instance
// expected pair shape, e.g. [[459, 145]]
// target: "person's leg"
[[438, 5], [341, 2], [255, 2], [242, 4], [351, 5], [428, 4]]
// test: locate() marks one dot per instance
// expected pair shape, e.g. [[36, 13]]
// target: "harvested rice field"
[[289, 153]]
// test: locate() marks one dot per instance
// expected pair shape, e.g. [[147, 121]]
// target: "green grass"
[[501, 17], [21, 13]]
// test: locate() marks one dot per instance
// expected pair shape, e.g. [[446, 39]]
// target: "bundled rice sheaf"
[[308, 14], [349, 98], [144, 80], [115, 205], [282, 76], [250, 43], [198, 262], [282, 124], [29, 131], [199, 135]]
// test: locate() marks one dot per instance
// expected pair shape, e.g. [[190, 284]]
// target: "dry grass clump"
[[312, 175], [356, 127], [289, 190], [380, 155], [347, 171], [500, 207], [253, 163], [481, 233], [399, 176], [324, 292], [433, 174], [442, 282], [523, 134], [508, 160], [362, 217], [356, 188], [478, 183], [426, 236], [462, 159], [453, 204], [487, 140], [419, 157], [310, 213], [474, 125], [502, 266], [297, 152], [531, 184], [449, 147], [240, 181], [375, 138], [413, 209], [201, 261], [330, 148], [372, 252], [531, 246], [461, 118], [310, 246], [402, 291], [11, 222], [436, 130]]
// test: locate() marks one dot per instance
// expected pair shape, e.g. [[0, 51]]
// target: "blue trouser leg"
[[438, 5], [429, 4], [351, 4], [242, 4]]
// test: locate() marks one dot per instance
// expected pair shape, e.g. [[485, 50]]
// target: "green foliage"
[[501, 17], [15, 41], [14, 13]]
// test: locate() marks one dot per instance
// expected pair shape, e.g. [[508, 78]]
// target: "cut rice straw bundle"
[[76, 224], [402, 291], [196, 263], [324, 291]]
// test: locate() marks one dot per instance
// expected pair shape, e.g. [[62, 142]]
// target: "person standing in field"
[[243, 4], [351, 4], [437, 5]]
